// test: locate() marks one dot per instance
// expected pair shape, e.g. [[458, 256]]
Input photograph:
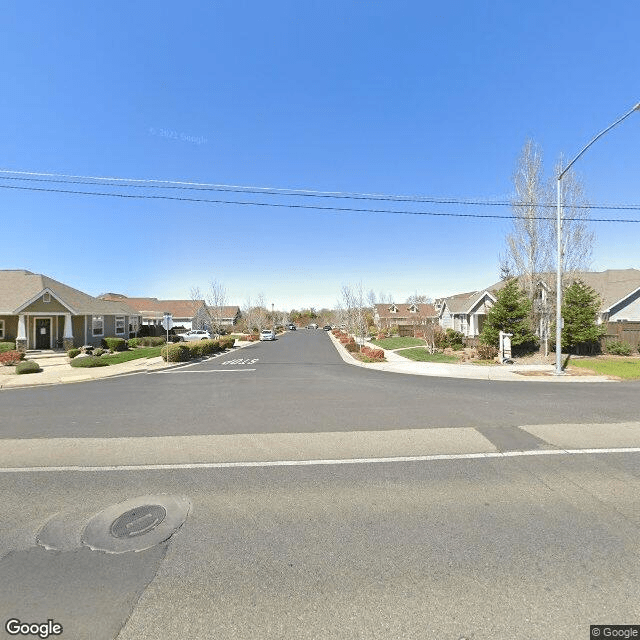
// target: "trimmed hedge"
[[28, 366], [72, 353], [11, 357], [374, 354], [115, 344], [148, 341], [91, 361], [7, 346], [175, 352], [185, 351]]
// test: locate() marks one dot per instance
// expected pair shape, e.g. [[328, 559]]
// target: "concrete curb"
[[398, 364], [51, 376]]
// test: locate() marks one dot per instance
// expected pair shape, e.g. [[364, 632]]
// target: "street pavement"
[[326, 501]]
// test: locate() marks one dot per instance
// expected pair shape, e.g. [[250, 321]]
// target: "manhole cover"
[[139, 521], [136, 524]]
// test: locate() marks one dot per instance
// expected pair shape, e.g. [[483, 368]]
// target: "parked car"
[[267, 334], [327, 327], [312, 326], [194, 334], [291, 327]]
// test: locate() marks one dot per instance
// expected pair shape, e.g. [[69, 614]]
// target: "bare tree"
[[577, 238], [529, 244]]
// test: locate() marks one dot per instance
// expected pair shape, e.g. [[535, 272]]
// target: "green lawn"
[[132, 354], [422, 355], [627, 368], [398, 343]]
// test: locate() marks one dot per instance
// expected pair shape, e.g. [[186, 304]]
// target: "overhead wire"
[[299, 206], [204, 186]]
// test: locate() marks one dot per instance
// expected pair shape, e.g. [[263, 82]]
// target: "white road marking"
[[303, 463], [207, 371]]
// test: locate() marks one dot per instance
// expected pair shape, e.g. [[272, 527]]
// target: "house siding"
[[627, 310], [10, 327], [39, 306]]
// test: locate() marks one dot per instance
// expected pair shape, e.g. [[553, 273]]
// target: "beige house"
[[387, 315], [186, 314], [618, 289], [39, 312]]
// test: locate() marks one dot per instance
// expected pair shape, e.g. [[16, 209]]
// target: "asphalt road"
[[525, 548], [298, 384]]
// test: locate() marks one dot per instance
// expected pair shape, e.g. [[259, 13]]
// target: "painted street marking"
[[302, 463], [241, 361], [207, 371]]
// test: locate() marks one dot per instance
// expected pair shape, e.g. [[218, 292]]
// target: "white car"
[[267, 334], [195, 334]]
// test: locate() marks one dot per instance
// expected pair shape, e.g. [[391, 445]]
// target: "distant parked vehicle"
[[291, 327], [312, 326], [194, 334], [267, 334], [327, 327]]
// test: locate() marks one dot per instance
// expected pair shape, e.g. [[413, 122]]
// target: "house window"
[[46, 297], [119, 325], [97, 325], [1, 329]]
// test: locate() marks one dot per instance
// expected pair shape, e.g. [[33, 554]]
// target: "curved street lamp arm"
[[618, 121]]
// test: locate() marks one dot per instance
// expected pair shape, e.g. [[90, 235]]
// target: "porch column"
[[472, 325], [21, 338], [67, 338]]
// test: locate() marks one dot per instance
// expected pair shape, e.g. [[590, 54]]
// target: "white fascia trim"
[[50, 292], [621, 300], [484, 293]]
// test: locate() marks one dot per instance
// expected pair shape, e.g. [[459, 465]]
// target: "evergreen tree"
[[580, 308], [511, 314]]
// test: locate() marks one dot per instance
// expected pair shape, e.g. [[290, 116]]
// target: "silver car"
[[195, 334], [267, 334]]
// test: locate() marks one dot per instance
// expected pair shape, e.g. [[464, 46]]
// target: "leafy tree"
[[511, 313], [580, 308]]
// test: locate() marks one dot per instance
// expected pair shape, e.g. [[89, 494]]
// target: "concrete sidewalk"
[[56, 369], [506, 373]]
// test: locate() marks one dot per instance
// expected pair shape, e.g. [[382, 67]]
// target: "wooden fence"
[[628, 332]]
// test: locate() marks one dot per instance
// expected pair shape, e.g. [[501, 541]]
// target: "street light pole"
[[559, 235]]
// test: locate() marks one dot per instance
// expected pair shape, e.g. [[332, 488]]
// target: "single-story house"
[[387, 315], [186, 314], [618, 289], [466, 312], [39, 312]]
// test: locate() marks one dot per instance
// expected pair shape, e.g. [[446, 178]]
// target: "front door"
[[43, 333]]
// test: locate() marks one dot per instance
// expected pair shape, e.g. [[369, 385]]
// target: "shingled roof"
[[18, 286]]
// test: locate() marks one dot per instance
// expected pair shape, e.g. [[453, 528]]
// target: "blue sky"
[[427, 98]]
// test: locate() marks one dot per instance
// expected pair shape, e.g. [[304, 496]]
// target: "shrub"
[[178, 352], [374, 354], [134, 343], [7, 346], [351, 347], [98, 352], [618, 348], [11, 357], [91, 361], [114, 344], [487, 351], [227, 343], [451, 339], [28, 366], [72, 353]]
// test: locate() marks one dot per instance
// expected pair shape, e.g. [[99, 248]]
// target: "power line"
[[203, 186], [298, 206]]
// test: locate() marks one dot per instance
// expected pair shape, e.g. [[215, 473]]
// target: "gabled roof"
[[424, 310], [613, 285], [464, 302], [155, 308], [19, 287]]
